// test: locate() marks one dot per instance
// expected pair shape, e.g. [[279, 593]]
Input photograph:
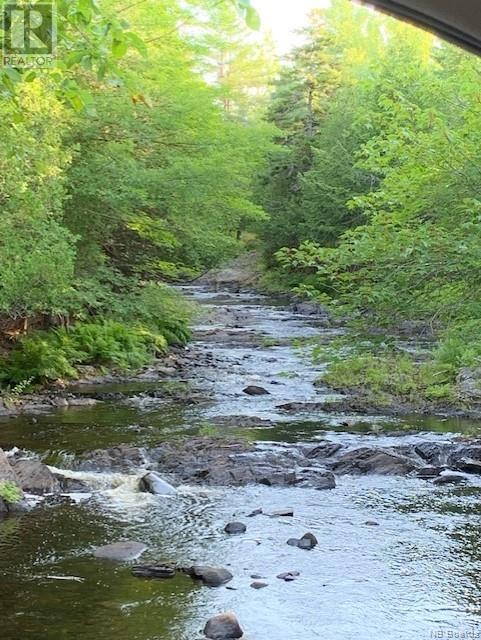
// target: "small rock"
[[289, 576], [121, 551], [211, 576], [371, 523], [259, 585], [293, 542], [256, 576], [256, 512], [308, 541], [235, 528], [225, 626], [153, 571], [253, 390]]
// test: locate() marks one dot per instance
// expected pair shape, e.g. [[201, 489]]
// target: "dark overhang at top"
[[458, 21]]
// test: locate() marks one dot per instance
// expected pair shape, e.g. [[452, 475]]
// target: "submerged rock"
[[153, 483], [153, 571], [225, 626], [211, 576], [121, 551], [235, 528]]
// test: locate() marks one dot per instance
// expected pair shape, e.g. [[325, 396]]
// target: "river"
[[415, 575]]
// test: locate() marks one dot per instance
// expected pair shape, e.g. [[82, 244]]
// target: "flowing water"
[[416, 575]]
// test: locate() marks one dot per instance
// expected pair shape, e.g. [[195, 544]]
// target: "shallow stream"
[[416, 575]]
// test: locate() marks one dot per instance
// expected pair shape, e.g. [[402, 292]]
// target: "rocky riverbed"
[[230, 482]]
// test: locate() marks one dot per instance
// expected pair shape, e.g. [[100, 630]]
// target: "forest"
[[127, 166], [169, 135]]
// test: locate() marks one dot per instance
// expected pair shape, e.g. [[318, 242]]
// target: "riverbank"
[[397, 381]]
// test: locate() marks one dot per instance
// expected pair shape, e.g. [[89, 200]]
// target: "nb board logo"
[[29, 34]]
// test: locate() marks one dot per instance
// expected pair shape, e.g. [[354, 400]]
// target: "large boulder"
[[223, 627], [377, 461], [35, 477]]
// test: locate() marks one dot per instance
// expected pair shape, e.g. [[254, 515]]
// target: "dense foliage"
[[130, 163], [374, 191]]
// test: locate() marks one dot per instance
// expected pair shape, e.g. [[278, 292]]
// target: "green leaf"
[[253, 19], [119, 48]]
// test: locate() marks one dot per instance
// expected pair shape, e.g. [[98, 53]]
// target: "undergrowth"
[[141, 330], [385, 373]]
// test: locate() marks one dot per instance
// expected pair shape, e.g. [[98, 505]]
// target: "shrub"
[[10, 492]]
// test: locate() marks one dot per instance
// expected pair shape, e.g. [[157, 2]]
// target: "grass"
[[391, 377]]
